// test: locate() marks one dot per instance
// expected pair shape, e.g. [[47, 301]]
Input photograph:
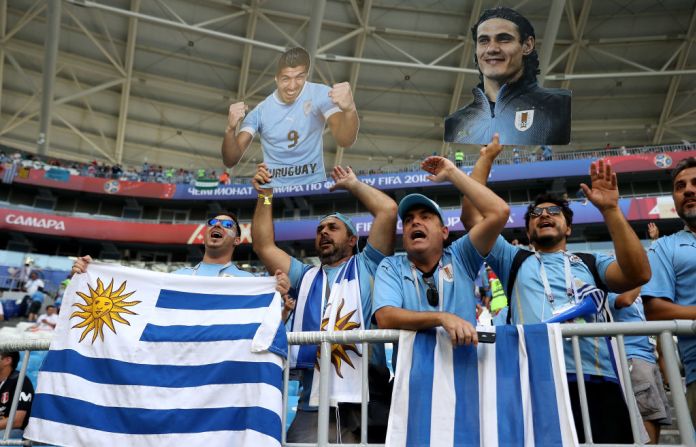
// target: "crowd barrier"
[[664, 329]]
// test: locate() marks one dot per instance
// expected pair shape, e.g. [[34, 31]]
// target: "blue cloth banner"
[[511, 392], [142, 358]]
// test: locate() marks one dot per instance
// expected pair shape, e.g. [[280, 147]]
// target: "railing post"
[[365, 393], [323, 419], [686, 428], [587, 428], [15, 398], [628, 389]]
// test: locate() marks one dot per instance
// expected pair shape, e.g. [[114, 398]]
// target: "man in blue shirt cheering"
[[550, 281]]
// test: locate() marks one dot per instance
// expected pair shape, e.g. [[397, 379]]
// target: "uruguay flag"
[[510, 393], [142, 358]]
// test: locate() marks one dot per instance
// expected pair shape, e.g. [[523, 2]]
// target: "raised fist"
[[342, 96], [236, 113]]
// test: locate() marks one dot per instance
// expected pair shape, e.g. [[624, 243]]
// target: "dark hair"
[[294, 57], [226, 213], [526, 30], [50, 306], [14, 355], [550, 198], [684, 164]]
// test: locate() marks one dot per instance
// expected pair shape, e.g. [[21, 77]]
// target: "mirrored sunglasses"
[[554, 210]]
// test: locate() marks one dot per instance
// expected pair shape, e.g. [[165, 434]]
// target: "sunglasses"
[[225, 223], [554, 210], [432, 293]]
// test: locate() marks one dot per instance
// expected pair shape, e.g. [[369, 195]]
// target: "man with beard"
[[670, 293], [508, 101], [550, 282], [336, 244]]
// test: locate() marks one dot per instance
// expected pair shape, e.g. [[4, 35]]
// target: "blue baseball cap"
[[412, 200], [343, 218]]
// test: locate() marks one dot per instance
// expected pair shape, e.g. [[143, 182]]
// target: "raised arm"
[[631, 268], [382, 207], [262, 233], [493, 209], [235, 143], [344, 124], [470, 216]]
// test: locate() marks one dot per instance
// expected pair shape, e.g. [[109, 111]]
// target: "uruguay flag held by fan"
[[511, 392], [143, 358]]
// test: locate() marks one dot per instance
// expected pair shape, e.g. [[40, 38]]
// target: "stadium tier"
[[77, 214]]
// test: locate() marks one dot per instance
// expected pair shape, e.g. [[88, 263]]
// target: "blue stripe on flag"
[[420, 393], [466, 424], [140, 421], [174, 299], [215, 332], [349, 271], [117, 372], [509, 390], [280, 342], [311, 319], [542, 388]]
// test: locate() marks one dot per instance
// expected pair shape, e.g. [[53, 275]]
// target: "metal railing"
[[664, 329]]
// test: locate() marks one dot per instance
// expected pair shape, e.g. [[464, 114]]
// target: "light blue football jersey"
[[291, 134]]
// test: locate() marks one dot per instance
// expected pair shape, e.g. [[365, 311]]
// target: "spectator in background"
[[580, 195], [61, 292], [645, 375], [459, 159], [22, 274], [546, 152], [224, 178], [670, 293], [516, 155], [653, 231], [35, 291], [9, 376], [47, 321]]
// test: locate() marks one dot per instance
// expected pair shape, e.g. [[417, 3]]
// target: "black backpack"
[[587, 258]]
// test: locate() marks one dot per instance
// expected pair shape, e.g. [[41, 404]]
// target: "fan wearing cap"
[[433, 285], [336, 244], [508, 100]]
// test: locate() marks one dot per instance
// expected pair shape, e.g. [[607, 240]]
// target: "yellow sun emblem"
[[339, 353], [102, 307]]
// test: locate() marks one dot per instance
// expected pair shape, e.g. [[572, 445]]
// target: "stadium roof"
[[152, 79]]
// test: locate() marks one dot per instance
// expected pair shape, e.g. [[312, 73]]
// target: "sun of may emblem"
[[102, 307], [339, 353]]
